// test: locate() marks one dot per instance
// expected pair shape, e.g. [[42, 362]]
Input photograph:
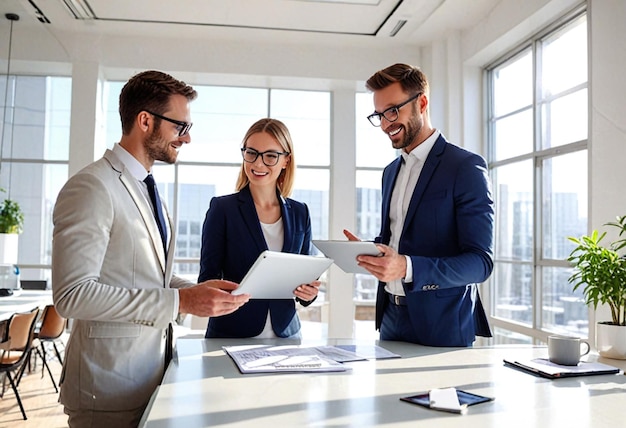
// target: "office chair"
[[21, 335], [50, 331], [4, 335]]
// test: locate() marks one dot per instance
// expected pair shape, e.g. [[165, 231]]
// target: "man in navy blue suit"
[[437, 222]]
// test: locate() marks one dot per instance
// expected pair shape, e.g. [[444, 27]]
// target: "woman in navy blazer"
[[238, 227]]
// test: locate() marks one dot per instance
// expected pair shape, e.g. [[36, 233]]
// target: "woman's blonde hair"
[[279, 132]]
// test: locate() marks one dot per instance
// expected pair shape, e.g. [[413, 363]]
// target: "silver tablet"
[[344, 253], [275, 275]]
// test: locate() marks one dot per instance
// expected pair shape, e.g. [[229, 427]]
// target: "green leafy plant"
[[11, 216], [601, 270]]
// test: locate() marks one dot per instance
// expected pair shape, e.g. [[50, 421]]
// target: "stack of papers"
[[294, 358], [545, 368]]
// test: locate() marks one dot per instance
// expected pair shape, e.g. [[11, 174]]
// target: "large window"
[[373, 153], [210, 164], [538, 162], [34, 130]]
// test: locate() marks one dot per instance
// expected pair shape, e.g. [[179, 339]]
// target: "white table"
[[202, 387], [24, 300]]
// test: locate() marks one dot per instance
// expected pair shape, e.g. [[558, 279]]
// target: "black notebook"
[[544, 368]]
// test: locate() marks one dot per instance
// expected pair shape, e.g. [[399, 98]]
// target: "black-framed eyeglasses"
[[391, 114], [182, 127], [269, 157]]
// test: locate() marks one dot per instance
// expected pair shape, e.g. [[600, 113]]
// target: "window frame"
[[536, 332]]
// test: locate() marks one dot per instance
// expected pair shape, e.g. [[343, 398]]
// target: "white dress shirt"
[[412, 164]]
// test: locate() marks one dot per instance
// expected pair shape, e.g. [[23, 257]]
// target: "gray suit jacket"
[[110, 275]]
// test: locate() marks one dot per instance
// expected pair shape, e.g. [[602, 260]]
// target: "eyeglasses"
[[182, 127], [391, 114], [269, 158]]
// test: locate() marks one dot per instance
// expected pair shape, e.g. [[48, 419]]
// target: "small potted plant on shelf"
[[11, 224], [601, 272], [11, 216]]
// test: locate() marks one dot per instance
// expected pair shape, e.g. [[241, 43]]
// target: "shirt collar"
[[132, 165], [422, 150]]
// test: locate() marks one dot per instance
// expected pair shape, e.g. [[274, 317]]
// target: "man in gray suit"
[[112, 265]]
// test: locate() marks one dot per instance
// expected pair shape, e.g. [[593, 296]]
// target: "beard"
[[158, 148], [411, 131]]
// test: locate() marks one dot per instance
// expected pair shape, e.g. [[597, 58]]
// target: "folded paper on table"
[[295, 358], [447, 400], [545, 368]]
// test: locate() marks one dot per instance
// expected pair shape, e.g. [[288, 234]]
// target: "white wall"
[[607, 122]]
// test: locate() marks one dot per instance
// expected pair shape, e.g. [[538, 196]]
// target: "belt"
[[396, 300]]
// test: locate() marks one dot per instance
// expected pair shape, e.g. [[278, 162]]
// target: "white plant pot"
[[8, 248], [611, 340]]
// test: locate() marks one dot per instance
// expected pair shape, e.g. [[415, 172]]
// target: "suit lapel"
[[143, 205], [388, 184], [146, 214], [429, 168], [288, 223], [251, 219]]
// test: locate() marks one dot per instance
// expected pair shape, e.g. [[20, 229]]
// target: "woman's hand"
[[307, 292]]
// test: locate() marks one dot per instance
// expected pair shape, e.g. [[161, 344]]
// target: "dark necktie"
[[156, 204]]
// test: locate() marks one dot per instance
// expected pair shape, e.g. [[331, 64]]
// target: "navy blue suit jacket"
[[448, 234], [232, 239]]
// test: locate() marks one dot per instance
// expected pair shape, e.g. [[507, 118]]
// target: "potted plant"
[[601, 272], [11, 224]]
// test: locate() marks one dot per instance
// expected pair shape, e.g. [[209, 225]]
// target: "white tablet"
[[344, 253], [274, 275]]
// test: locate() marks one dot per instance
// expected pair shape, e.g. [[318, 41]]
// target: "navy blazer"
[[232, 239], [448, 233]]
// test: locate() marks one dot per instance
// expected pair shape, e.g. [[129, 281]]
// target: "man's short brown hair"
[[150, 91], [411, 78]]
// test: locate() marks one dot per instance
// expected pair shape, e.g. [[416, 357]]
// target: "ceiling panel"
[[360, 18], [322, 22]]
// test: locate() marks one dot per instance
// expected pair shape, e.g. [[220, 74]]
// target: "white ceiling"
[[340, 22]]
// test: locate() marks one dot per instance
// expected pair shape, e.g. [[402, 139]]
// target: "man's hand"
[[387, 267], [351, 236], [210, 299]]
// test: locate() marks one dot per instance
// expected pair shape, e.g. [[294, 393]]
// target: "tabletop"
[[24, 300], [203, 387]]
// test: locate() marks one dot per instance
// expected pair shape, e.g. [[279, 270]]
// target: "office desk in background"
[[23, 301], [202, 387]]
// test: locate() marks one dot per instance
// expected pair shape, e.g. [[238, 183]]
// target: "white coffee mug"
[[565, 350]]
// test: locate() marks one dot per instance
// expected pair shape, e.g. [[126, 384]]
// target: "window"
[[34, 128], [210, 165], [538, 163], [373, 153]]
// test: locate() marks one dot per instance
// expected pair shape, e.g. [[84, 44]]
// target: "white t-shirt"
[[274, 237]]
